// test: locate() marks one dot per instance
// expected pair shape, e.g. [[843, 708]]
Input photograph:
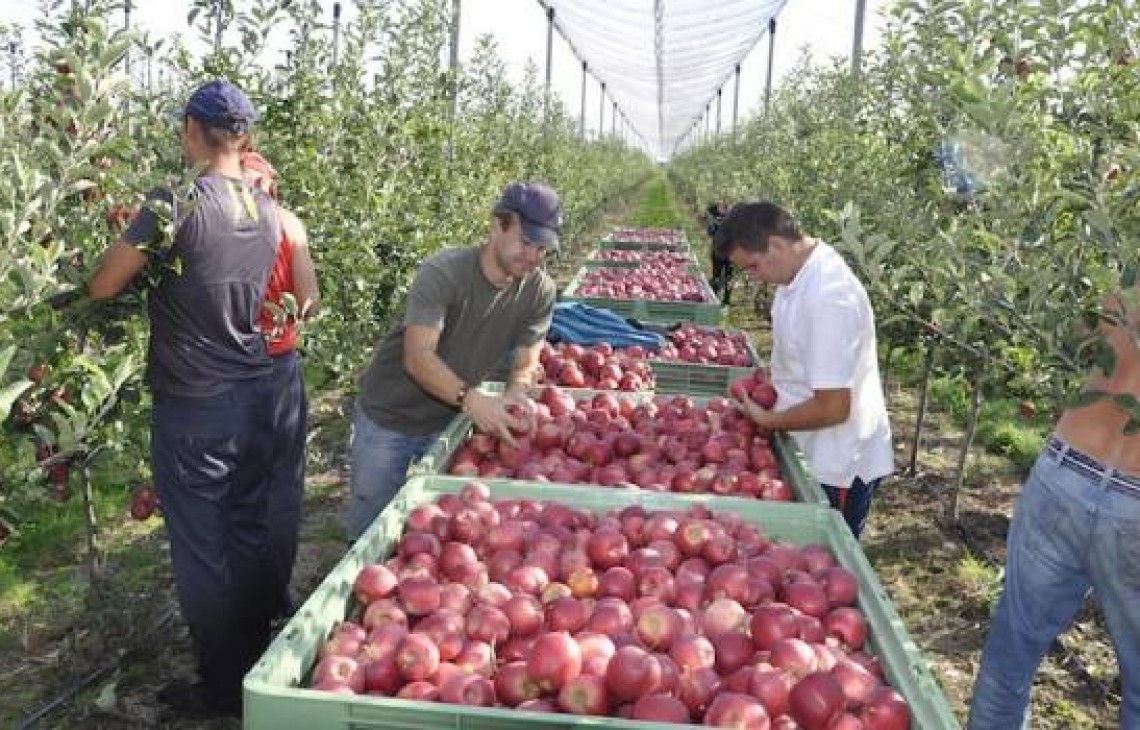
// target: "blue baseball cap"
[[221, 104], [539, 209]]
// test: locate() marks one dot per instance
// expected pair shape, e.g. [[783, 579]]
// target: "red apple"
[[658, 626], [631, 674], [735, 710], [419, 595], [584, 695], [817, 701], [513, 685], [661, 708], [336, 673], [848, 625], [417, 657], [468, 689], [554, 660]]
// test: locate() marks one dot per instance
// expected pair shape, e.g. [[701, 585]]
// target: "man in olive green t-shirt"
[[467, 310]]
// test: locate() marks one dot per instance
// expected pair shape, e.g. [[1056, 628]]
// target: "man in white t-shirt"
[[824, 359]]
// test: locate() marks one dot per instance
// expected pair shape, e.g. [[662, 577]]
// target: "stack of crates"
[[276, 696]]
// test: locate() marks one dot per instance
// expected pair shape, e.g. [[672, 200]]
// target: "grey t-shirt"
[[480, 325], [204, 311]]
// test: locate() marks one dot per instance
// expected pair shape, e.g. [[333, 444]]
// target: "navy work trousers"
[[287, 473], [212, 457]]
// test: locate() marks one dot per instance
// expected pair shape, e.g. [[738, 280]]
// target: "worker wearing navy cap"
[[211, 379]]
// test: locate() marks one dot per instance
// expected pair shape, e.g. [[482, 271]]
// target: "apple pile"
[[665, 444], [595, 366], [705, 345], [649, 282], [667, 616], [656, 258]]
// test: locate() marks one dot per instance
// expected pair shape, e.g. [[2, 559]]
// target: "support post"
[[602, 109], [336, 35], [857, 43], [549, 61], [718, 99], [217, 26], [453, 57], [736, 97], [582, 107], [127, 27], [771, 58]]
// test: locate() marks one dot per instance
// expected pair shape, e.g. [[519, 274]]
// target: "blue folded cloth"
[[581, 324]]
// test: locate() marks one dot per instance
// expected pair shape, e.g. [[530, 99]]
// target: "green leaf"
[[6, 359], [11, 393]]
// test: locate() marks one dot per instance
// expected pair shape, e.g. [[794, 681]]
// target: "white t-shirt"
[[823, 333]]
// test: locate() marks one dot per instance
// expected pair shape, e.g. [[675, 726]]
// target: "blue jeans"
[[380, 459], [211, 458], [1069, 533], [855, 505]]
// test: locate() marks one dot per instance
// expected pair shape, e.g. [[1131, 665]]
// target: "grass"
[[658, 209], [978, 579]]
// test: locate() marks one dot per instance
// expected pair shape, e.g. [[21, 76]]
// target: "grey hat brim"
[[539, 235]]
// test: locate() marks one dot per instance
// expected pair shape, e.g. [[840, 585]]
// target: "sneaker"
[[193, 701]]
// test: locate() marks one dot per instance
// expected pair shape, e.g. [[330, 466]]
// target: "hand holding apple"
[[520, 406], [492, 415], [760, 415]]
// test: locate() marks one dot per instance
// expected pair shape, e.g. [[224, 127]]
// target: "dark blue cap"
[[221, 104], [539, 209]]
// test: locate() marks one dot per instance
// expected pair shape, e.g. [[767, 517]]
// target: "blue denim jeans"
[[380, 460], [855, 505], [1070, 533], [211, 458]]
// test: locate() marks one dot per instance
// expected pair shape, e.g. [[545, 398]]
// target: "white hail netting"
[[663, 60]]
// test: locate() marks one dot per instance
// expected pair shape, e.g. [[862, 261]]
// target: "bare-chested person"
[[1076, 527]]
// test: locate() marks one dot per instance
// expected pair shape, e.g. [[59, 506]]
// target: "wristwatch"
[[461, 394]]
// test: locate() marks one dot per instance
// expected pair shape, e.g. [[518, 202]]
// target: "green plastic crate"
[[276, 700], [703, 380], [709, 312], [793, 467], [671, 376]]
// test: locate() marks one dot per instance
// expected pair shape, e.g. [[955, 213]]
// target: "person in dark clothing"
[[722, 269], [211, 378]]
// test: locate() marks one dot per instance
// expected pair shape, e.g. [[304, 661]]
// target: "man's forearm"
[[433, 375], [524, 369], [811, 415]]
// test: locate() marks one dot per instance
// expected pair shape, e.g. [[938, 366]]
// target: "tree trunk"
[[886, 374], [967, 444], [923, 403], [95, 557]]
